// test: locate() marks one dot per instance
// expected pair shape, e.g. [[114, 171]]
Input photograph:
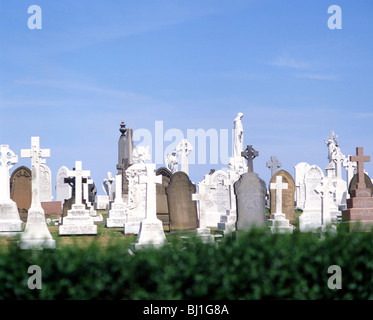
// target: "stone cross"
[[278, 186], [273, 165], [360, 159], [350, 167], [79, 174], [338, 157], [150, 179], [7, 161], [184, 148], [325, 189], [36, 154], [249, 154]]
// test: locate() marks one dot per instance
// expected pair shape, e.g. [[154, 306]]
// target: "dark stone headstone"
[[20, 190], [353, 183], [125, 159], [250, 193], [182, 209]]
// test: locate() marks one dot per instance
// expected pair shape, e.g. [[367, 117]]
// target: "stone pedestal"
[[279, 224], [359, 210], [117, 216], [78, 222], [151, 234], [36, 234], [10, 223], [205, 235]]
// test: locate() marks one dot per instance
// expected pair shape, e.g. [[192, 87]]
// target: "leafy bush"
[[253, 265]]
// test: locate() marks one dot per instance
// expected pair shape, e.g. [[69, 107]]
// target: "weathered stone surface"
[[287, 195], [250, 192], [20, 189], [182, 209]]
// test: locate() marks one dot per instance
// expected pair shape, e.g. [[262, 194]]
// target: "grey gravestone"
[[161, 196], [250, 192], [182, 209], [273, 164], [125, 159]]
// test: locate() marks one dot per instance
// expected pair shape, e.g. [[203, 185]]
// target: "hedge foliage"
[[254, 265]]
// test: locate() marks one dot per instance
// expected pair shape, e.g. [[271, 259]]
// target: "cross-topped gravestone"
[[78, 220], [184, 148], [36, 234], [278, 186], [278, 222], [36, 154], [325, 190], [151, 228], [273, 164], [7, 161], [360, 159], [338, 158], [78, 174], [249, 154], [350, 167]]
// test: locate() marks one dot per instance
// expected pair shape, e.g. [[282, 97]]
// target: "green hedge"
[[255, 265]]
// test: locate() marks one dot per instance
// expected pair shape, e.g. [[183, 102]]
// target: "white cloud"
[[285, 61], [314, 76]]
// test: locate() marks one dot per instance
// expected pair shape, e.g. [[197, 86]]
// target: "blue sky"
[[191, 64]]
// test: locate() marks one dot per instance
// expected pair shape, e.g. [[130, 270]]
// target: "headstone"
[[273, 164], [278, 222], [228, 220], [102, 202], [78, 220], [300, 187], [36, 234], [117, 215], [182, 209], [151, 228], [351, 168], [202, 197], [184, 148], [353, 184], [340, 192], [250, 192], [45, 184], [218, 201], [63, 191], [287, 195], [310, 219], [10, 222], [86, 200], [125, 156], [136, 199], [20, 190], [162, 203], [325, 190], [360, 205]]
